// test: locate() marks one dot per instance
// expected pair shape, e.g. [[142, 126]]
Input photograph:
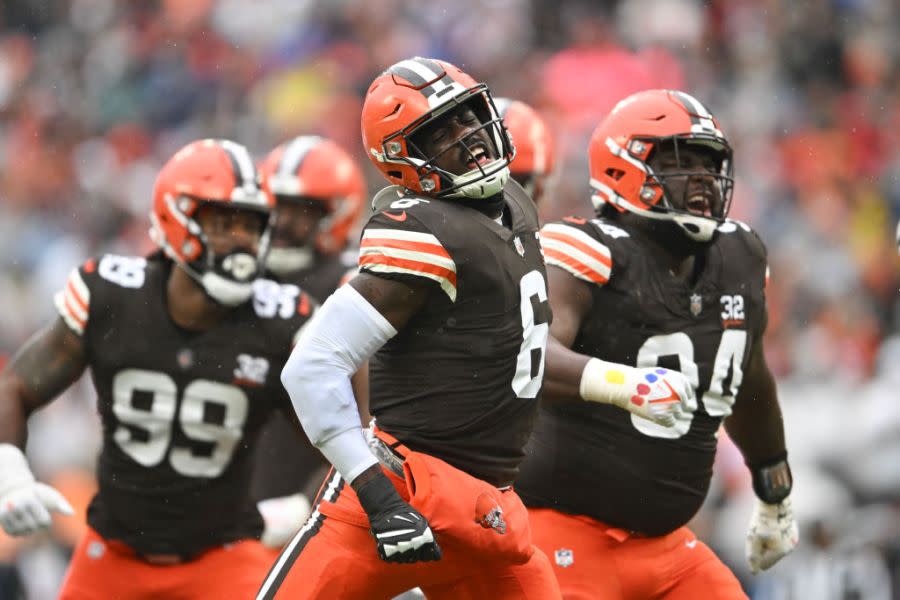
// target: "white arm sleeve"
[[345, 332]]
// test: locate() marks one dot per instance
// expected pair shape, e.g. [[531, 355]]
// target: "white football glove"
[[283, 517], [773, 534], [25, 504], [659, 395]]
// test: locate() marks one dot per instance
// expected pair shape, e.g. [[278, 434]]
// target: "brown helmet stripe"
[[242, 166], [295, 153], [425, 74]]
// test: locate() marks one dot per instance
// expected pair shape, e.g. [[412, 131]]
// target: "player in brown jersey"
[[184, 348], [450, 304], [535, 154], [319, 192], [661, 279]]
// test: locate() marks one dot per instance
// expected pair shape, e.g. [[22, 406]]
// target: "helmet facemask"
[[289, 251], [695, 199], [227, 278], [486, 149]]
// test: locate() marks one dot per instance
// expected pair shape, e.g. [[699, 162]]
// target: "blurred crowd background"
[[95, 95]]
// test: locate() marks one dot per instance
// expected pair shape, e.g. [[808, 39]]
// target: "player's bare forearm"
[[43, 368], [571, 300], [756, 424], [562, 372]]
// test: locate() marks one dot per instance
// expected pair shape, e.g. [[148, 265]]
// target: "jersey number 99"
[[210, 414]]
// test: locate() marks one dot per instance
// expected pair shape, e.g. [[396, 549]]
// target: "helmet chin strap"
[[672, 236], [698, 229], [283, 261], [695, 228], [242, 267], [480, 187], [225, 291]]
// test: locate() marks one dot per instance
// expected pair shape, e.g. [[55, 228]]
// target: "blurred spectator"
[[94, 93]]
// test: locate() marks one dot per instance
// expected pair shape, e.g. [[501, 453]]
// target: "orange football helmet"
[[316, 169], [623, 142], [413, 93], [534, 145], [209, 172]]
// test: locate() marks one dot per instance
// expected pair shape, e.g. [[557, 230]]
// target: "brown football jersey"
[[180, 409], [603, 462], [463, 378]]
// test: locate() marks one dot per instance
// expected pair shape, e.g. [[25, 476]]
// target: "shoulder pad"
[[608, 229], [124, 271], [73, 302], [385, 196], [742, 231], [395, 245], [395, 197]]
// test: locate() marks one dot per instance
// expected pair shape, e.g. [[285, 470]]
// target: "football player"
[[451, 306], [534, 159], [660, 280], [184, 348], [319, 192]]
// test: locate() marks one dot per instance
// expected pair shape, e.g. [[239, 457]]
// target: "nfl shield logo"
[[185, 358], [519, 247], [696, 304], [564, 557]]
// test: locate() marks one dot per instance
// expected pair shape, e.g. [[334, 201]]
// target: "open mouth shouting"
[[700, 203], [478, 155]]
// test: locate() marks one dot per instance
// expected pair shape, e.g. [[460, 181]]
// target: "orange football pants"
[[594, 561], [334, 556], [108, 570]]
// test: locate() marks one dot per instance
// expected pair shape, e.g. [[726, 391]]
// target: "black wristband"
[[772, 479], [378, 495]]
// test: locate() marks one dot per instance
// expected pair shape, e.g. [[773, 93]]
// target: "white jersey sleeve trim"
[[409, 253], [576, 252], [73, 302]]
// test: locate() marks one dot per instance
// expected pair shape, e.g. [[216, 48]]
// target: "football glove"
[[283, 517], [773, 534], [402, 535], [25, 504], [659, 395]]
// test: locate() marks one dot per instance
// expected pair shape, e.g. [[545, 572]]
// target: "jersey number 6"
[[535, 328]]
